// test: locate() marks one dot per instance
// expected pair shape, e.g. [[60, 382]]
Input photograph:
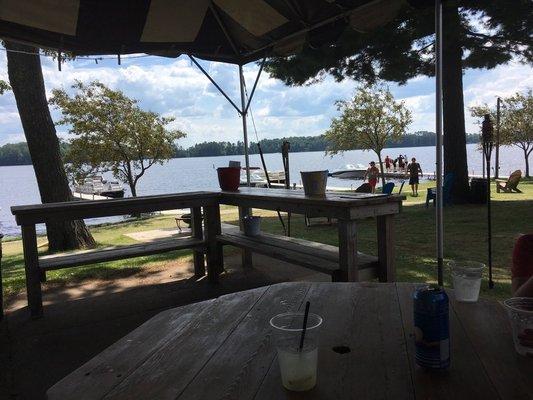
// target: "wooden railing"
[[36, 266]]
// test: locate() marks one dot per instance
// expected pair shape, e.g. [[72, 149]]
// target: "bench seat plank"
[[315, 256], [55, 261]]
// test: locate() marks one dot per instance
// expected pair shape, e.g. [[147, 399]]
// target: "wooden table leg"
[[246, 255], [197, 232], [215, 256], [348, 250], [387, 269], [33, 274]]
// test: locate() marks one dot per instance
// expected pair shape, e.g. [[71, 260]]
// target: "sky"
[[175, 87]]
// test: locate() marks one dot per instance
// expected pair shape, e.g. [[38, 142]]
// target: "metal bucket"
[[251, 225], [314, 182]]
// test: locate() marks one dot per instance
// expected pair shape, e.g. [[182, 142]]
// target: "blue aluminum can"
[[432, 327]]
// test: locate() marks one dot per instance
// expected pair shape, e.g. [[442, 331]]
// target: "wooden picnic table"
[[347, 208], [223, 349]]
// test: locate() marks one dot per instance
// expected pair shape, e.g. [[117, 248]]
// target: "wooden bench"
[[315, 256], [28, 216], [95, 256]]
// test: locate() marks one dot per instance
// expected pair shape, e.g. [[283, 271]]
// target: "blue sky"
[[175, 87]]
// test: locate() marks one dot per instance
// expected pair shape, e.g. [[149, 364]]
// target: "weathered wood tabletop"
[[347, 208], [223, 349]]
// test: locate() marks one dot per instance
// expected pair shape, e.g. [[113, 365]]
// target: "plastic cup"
[[298, 366], [466, 278], [520, 311]]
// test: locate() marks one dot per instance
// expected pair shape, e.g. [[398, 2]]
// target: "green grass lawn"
[[465, 238]]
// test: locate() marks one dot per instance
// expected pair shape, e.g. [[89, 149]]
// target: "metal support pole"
[[497, 155], [438, 108], [489, 225], [244, 112]]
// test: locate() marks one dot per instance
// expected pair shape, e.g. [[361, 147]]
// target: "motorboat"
[[350, 171], [96, 185]]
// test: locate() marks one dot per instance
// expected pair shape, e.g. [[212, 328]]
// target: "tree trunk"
[[455, 159], [381, 170], [133, 190], [26, 78]]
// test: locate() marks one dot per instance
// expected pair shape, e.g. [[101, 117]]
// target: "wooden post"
[[215, 256], [197, 232], [246, 255], [33, 273], [385, 228], [348, 250]]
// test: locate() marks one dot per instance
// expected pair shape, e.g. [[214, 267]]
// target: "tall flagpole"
[[438, 109], [244, 112]]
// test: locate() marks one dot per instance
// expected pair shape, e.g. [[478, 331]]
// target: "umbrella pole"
[[438, 108], [244, 112]]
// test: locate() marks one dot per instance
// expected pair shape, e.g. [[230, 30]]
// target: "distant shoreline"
[[17, 154]]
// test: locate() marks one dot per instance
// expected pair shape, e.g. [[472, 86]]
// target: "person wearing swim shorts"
[[372, 173], [414, 169], [388, 163]]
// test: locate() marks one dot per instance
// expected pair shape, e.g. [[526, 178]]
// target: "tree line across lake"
[[17, 153]]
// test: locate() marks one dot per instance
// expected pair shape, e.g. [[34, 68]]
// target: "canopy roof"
[[234, 31]]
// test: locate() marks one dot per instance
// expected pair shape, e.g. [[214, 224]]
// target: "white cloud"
[[175, 87]]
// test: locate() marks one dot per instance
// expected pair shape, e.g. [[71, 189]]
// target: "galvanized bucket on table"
[[314, 182]]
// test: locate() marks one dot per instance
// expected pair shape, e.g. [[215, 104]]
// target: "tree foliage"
[[476, 34], [4, 87], [490, 32], [112, 133], [368, 121], [516, 122]]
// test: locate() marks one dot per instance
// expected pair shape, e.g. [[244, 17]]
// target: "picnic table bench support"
[[197, 232], [348, 251], [33, 272], [214, 247], [385, 232], [246, 254]]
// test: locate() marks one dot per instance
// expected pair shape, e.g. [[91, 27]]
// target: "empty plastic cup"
[[520, 311], [298, 366], [466, 278]]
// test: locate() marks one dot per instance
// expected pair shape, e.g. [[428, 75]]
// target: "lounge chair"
[[511, 184], [446, 191]]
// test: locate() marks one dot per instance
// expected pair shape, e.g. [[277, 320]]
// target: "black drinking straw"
[[304, 328]]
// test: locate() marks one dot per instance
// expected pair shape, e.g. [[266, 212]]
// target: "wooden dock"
[[87, 196]]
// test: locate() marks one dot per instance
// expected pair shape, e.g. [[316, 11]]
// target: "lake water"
[[18, 185]]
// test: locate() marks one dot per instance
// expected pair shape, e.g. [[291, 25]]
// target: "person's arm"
[[420, 169], [522, 287]]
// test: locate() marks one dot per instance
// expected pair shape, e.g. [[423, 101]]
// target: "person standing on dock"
[[401, 163], [388, 162], [372, 173], [414, 170]]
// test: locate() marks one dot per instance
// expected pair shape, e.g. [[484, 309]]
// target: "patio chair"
[[446, 191], [388, 188], [307, 219], [511, 184]]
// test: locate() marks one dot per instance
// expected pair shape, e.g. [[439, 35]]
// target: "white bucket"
[[466, 278]]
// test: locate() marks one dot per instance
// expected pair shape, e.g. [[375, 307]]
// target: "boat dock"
[[87, 196]]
